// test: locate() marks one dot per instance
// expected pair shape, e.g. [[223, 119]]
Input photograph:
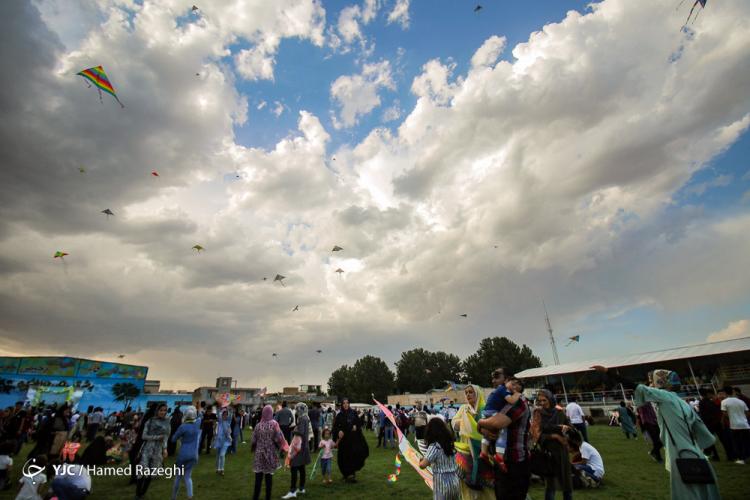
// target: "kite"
[[120, 356], [198, 248], [411, 455], [392, 478], [98, 77], [464, 315], [279, 278], [59, 255], [318, 351], [264, 278], [575, 338], [82, 170], [107, 212], [336, 249], [195, 7], [197, 74], [340, 271], [275, 355], [703, 6], [296, 308], [477, 8], [155, 173]]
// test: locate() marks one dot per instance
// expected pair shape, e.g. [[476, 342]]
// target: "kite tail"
[[100, 96], [680, 4], [691, 13], [696, 16], [118, 102]]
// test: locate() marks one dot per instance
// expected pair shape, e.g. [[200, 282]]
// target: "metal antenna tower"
[[551, 337]]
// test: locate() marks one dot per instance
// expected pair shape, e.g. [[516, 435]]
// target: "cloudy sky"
[[468, 163]]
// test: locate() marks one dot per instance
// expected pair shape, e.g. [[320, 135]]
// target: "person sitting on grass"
[[588, 466]]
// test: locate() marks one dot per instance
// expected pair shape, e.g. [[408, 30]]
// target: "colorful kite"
[[279, 278], [59, 255], [198, 248], [703, 6], [392, 478], [107, 212], [98, 77], [336, 249], [225, 399], [575, 338], [411, 455]]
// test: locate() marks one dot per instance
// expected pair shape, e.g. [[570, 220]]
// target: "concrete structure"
[[450, 394], [151, 386], [247, 397]]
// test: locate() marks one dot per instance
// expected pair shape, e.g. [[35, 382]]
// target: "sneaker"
[[301, 492], [741, 462], [291, 494]]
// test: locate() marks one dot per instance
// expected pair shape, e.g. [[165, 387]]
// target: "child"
[[588, 466], [502, 398], [294, 447], [326, 460], [6, 463], [31, 487], [442, 457]]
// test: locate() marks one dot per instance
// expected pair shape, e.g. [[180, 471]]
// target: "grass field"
[[630, 474]]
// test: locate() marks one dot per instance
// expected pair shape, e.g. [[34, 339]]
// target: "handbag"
[[540, 462], [693, 470]]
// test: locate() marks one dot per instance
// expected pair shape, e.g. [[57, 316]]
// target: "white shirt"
[[574, 413], [29, 490], [5, 462], [735, 409], [593, 459]]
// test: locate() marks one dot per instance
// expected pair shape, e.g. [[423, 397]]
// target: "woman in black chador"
[[353, 449]]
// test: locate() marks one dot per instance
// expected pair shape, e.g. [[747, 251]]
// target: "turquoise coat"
[[675, 413]]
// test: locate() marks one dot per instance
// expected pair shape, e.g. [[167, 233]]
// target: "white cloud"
[[433, 82], [487, 54], [349, 27], [719, 181], [278, 108], [400, 14], [734, 330], [357, 95], [392, 112]]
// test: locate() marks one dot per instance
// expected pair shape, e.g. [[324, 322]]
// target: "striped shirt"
[[517, 447]]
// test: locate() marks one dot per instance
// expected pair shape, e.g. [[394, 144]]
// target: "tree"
[[419, 370], [495, 352], [369, 375], [125, 391], [339, 384]]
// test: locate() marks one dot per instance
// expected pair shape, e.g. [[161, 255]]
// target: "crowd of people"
[[488, 447]]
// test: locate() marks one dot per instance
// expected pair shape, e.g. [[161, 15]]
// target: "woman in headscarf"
[[302, 458], [353, 449], [137, 439], [174, 424], [154, 449], [189, 432], [60, 429], [223, 440], [267, 440], [683, 433], [548, 427], [626, 421], [478, 479]]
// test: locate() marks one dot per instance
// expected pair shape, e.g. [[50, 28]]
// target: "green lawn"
[[630, 473]]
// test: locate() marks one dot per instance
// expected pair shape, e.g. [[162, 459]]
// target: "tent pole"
[[695, 381], [565, 393]]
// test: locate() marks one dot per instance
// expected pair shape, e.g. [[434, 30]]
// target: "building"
[[703, 366], [450, 394], [151, 386], [247, 398]]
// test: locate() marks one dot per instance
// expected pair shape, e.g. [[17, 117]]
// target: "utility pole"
[[554, 349]]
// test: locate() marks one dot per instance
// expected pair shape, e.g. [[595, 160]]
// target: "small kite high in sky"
[[280, 279], [59, 255], [296, 308], [275, 355], [155, 173], [107, 212], [98, 77], [198, 248], [318, 351], [195, 7], [477, 8], [82, 170], [574, 338], [340, 271], [703, 6], [120, 356], [336, 249]]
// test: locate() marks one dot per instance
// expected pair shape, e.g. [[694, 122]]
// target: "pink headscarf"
[[267, 414]]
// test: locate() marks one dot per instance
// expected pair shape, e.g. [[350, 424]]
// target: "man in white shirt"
[[737, 413], [577, 418], [589, 470]]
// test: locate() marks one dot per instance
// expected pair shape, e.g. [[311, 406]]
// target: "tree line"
[[419, 370]]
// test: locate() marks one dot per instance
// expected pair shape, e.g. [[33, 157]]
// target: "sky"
[[593, 156]]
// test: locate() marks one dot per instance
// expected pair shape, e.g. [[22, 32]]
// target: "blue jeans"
[[326, 466], [188, 481], [388, 436], [221, 454]]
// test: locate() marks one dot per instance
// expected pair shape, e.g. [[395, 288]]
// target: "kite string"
[[680, 4], [696, 16]]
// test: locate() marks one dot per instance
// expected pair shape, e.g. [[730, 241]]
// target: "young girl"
[[441, 455], [326, 460]]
